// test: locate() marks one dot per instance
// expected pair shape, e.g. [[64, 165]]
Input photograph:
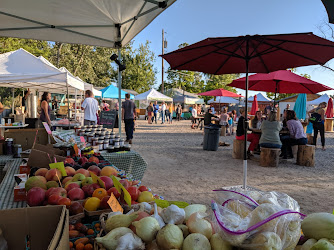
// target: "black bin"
[[211, 138]]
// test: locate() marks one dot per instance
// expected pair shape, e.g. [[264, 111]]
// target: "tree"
[[139, 74]]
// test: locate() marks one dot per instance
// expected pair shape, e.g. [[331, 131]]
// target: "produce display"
[[78, 190]]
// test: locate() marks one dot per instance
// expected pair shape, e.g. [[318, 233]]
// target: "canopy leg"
[[119, 95], [13, 101]]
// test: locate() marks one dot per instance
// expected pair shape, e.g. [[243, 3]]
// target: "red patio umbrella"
[[256, 54], [281, 81], [220, 92], [255, 106], [329, 110]]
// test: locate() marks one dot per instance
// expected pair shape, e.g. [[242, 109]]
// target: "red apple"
[[104, 202], [114, 191], [76, 194], [35, 196], [66, 179], [134, 192], [75, 208], [53, 199], [143, 188], [42, 178], [70, 171], [82, 160], [52, 174], [41, 172], [83, 171], [94, 159], [69, 161], [58, 191], [49, 191], [64, 201], [107, 182], [90, 188], [95, 169], [125, 183], [71, 186]]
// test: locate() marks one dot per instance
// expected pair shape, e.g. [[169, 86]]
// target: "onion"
[[193, 209], [184, 229], [196, 242], [217, 243], [110, 241], [196, 224], [120, 220], [147, 228], [140, 216], [170, 237]]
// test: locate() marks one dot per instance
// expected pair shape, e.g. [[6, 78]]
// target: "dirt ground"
[[179, 168]]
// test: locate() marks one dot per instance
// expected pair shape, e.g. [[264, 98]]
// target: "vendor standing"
[[45, 108], [25, 98], [55, 103], [90, 107]]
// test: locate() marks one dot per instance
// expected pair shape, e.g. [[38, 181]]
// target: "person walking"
[[178, 112], [90, 107], [194, 116], [171, 110], [45, 109], [150, 110], [155, 110], [163, 109], [317, 117], [128, 116]]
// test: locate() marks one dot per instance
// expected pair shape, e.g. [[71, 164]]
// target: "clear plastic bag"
[[254, 219]]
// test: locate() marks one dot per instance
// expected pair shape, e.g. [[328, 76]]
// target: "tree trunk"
[[269, 157], [58, 53], [80, 61], [305, 155]]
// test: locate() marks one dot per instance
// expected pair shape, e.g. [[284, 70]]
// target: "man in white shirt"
[[163, 110], [90, 106], [194, 115]]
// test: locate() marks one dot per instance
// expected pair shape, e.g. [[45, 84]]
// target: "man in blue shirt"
[[155, 110]]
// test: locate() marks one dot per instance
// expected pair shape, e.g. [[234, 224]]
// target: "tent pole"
[[75, 106], [246, 120], [13, 101], [119, 95], [68, 105]]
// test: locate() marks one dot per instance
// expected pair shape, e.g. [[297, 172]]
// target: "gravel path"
[[179, 169]]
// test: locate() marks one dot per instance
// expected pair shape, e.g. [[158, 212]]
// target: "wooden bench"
[[269, 157], [238, 149], [305, 155]]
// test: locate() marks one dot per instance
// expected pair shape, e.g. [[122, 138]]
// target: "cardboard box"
[[19, 190], [24, 168], [26, 137], [42, 159], [46, 226]]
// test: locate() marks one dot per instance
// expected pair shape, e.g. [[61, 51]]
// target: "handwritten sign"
[[108, 118], [76, 149], [47, 128], [120, 189], [60, 166], [114, 204]]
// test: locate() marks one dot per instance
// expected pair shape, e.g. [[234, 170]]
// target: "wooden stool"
[[269, 157], [223, 130], [310, 139], [305, 155], [238, 149]]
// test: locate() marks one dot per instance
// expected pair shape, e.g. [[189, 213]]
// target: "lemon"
[[145, 196]]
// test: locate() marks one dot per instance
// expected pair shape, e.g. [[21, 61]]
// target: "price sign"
[[114, 204], [60, 166], [120, 189], [96, 179], [47, 128]]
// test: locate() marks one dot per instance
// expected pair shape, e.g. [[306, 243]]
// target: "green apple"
[[87, 181], [78, 177]]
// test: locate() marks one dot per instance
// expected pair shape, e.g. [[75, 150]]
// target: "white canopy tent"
[[223, 99], [109, 23], [323, 98], [260, 98], [153, 95]]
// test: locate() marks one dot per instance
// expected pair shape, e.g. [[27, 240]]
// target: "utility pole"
[[162, 62]]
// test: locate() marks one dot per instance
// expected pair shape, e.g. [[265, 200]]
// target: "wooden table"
[[329, 124]]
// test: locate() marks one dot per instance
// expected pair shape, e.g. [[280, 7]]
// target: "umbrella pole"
[[245, 128], [119, 95]]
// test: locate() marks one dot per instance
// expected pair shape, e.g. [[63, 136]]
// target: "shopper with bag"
[[317, 117]]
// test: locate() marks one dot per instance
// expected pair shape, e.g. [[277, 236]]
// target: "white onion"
[[196, 242], [217, 243], [170, 237], [189, 210], [147, 228], [196, 224]]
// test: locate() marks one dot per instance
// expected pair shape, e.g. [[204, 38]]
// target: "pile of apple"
[[44, 188]]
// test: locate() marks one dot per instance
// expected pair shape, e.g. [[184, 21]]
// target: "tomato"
[[92, 204], [134, 192], [115, 192], [143, 188], [100, 193]]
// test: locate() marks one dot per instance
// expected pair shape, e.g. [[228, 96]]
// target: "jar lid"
[[17, 146], [116, 146], [110, 147], [95, 139], [9, 139], [106, 141]]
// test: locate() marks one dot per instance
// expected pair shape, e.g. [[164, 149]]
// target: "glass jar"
[[116, 142], [76, 130], [116, 149], [90, 136], [111, 149], [95, 126], [121, 142], [104, 130], [9, 146], [111, 139], [100, 126], [100, 144], [82, 131], [94, 141], [127, 147], [105, 144], [90, 126]]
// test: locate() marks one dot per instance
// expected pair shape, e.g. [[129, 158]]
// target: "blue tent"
[[112, 92], [300, 106]]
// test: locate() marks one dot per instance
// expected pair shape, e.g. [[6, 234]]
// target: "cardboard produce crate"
[[47, 227], [26, 137]]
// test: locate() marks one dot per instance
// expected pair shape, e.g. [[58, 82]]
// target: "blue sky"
[[194, 20]]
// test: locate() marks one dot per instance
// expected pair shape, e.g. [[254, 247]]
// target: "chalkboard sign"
[[108, 118]]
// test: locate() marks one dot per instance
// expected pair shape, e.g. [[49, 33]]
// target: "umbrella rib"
[[307, 88], [259, 56], [223, 64], [267, 51], [298, 42]]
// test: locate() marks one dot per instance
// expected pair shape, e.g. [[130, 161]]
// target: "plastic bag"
[[257, 220]]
